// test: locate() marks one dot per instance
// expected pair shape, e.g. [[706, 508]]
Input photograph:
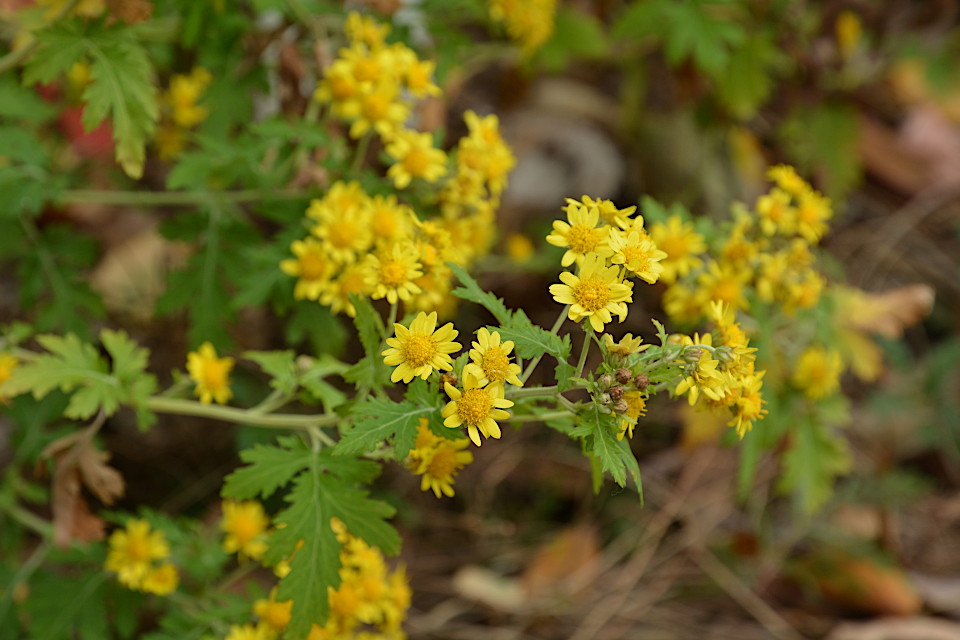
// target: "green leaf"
[[599, 431], [279, 365], [268, 468], [21, 103], [121, 81], [129, 368], [823, 140], [816, 457], [67, 607], [321, 492], [380, 420], [471, 291], [576, 35], [748, 79]]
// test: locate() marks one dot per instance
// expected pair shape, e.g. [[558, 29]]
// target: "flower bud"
[[605, 381], [616, 392], [693, 355], [623, 376], [621, 406], [604, 398], [641, 381], [450, 377]]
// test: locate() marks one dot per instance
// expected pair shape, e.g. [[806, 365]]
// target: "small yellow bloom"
[[776, 213], [211, 374], [415, 157], [748, 403], [529, 22], [366, 30], [637, 253], [491, 360], [703, 375], [393, 272], [519, 247], [161, 580], [478, 408], [273, 614], [626, 346], [596, 294], [248, 632], [132, 552], [580, 235], [311, 266], [184, 93], [817, 372], [245, 524], [681, 243], [848, 32], [351, 281], [437, 460], [636, 407], [419, 350]]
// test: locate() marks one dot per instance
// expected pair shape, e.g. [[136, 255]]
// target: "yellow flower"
[[596, 293], [848, 32], [636, 407], [747, 407], [637, 252], [419, 350], [161, 580], [346, 234], [484, 152], [391, 274], [351, 281], [133, 550], [339, 85], [627, 345], [703, 375], [519, 247], [419, 78], [611, 215], [776, 213], [724, 283], [274, 615], [248, 632], [379, 109], [817, 372], [415, 157], [681, 243], [184, 93], [491, 360], [8, 363], [211, 374], [813, 211], [478, 408], [805, 291], [389, 220], [245, 524], [581, 234], [787, 179], [528, 22], [365, 29], [682, 304], [438, 460], [311, 266]]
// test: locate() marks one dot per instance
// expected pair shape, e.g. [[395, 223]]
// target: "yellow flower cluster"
[[246, 527], [274, 616], [765, 255], [609, 246], [136, 553], [528, 22], [720, 370], [437, 460], [180, 111], [369, 596]]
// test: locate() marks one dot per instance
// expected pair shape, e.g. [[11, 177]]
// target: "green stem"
[[179, 406], [556, 327], [588, 330], [23, 574], [272, 402], [362, 147], [175, 198], [541, 417], [29, 520], [532, 392]]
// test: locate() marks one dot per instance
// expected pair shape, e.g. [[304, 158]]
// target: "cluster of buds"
[[612, 387]]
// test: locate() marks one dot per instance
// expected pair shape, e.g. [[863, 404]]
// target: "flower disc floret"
[[418, 350]]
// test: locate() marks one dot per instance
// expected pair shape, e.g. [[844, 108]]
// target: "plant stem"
[[179, 406], [362, 147], [532, 392], [542, 417], [23, 575], [175, 198], [588, 331]]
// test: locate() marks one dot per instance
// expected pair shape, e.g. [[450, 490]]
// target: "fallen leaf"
[[866, 585], [78, 463], [573, 551], [886, 314], [130, 11], [489, 588]]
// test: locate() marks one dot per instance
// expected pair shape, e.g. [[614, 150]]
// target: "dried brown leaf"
[[889, 313], [866, 585], [130, 11]]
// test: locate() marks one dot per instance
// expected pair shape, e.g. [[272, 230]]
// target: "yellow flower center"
[[636, 257], [474, 405], [342, 88], [345, 601], [583, 239], [384, 224], [215, 373], [366, 70], [312, 266], [444, 463], [138, 549], [418, 350], [416, 162], [496, 364], [393, 273], [342, 234], [375, 106], [592, 294], [244, 528], [726, 291], [751, 406]]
